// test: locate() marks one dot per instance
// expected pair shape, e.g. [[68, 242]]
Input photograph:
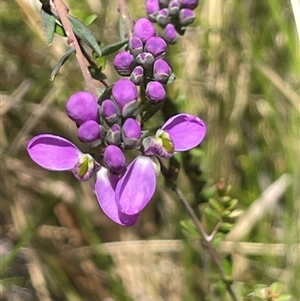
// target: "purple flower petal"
[[186, 131], [136, 188], [105, 193], [53, 152]]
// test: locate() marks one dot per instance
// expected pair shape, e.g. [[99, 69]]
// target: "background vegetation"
[[237, 67]]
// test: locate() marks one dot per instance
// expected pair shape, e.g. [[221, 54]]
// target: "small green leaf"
[[122, 29], [61, 62], [85, 34], [232, 203], [90, 19], [226, 226], [211, 212], [190, 227], [101, 62], [96, 73], [48, 23], [59, 30], [284, 297], [236, 213], [111, 48], [105, 94]]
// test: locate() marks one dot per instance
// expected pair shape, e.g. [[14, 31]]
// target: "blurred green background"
[[237, 67]]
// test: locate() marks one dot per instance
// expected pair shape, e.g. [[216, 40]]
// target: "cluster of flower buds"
[[172, 15], [144, 61], [112, 122]]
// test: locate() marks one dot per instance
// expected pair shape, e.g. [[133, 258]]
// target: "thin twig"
[[62, 11], [206, 242], [123, 10]]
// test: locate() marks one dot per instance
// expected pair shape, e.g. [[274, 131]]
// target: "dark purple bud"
[[113, 135], [152, 7], [161, 71], [155, 92], [109, 112], [191, 4], [170, 34], [137, 75], [124, 63], [90, 131], [156, 46], [123, 92], [135, 46], [131, 133], [145, 59], [162, 17], [186, 16], [82, 106], [174, 6], [144, 29], [114, 159], [164, 3]]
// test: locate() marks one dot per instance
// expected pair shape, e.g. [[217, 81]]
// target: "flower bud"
[[161, 71], [152, 7], [137, 75], [131, 133], [114, 159], [145, 59], [155, 92], [109, 112], [123, 63], [174, 6], [90, 131], [170, 34], [162, 17], [191, 4], [81, 107], [144, 29], [113, 135], [156, 46], [186, 17], [135, 46], [130, 109], [159, 146], [164, 3], [123, 92]]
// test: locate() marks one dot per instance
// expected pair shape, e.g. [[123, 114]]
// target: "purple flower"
[[162, 17], [56, 153], [152, 7], [122, 199], [155, 92], [109, 112], [82, 106], [114, 159], [179, 133], [161, 71], [144, 29], [156, 46], [124, 63], [170, 34], [191, 4], [124, 92], [186, 16], [135, 46], [131, 133], [174, 6], [91, 131], [137, 75]]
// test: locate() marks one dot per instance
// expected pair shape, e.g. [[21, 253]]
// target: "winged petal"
[[136, 188], [53, 152], [105, 193], [186, 131]]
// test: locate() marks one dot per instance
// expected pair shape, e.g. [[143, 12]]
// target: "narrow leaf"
[[48, 23], [90, 19], [85, 34], [61, 62], [190, 227], [111, 48], [59, 30]]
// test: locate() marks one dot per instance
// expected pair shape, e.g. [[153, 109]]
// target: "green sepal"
[[85, 34], [61, 62], [113, 47], [48, 23]]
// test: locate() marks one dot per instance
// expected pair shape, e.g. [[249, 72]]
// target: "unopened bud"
[[124, 63]]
